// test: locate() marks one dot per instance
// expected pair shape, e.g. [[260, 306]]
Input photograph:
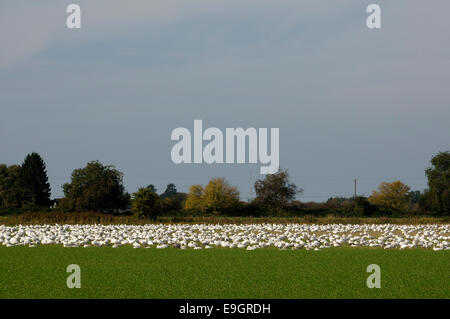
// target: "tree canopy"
[[439, 183], [152, 188], [11, 191], [145, 203], [392, 196], [25, 186], [275, 190], [217, 196], [96, 187]]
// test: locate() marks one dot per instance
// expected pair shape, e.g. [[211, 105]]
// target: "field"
[[124, 272]]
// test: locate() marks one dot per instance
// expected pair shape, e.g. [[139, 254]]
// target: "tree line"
[[25, 186], [99, 187]]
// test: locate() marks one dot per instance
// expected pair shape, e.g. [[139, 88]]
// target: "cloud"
[[27, 30]]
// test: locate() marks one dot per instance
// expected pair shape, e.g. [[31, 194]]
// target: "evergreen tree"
[[171, 191], [34, 180], [152, 188]]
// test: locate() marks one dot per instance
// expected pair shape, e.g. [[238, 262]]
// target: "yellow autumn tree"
[[220, 195], [217, 196], [194, 200], [393, 196]]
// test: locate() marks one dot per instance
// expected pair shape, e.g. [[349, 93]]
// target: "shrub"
[[359, 206]]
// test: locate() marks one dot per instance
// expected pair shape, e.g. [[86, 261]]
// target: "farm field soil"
[[40, 272]]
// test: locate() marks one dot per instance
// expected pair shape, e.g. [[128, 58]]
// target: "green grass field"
[[40, 272]]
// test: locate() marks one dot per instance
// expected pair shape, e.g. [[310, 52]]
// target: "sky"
[[350, 102]]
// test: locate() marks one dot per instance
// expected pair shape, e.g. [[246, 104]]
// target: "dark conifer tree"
[[34, 180], [171, 191]]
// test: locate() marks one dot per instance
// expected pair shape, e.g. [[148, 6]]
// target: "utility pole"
[[355, 187], [251, 186]]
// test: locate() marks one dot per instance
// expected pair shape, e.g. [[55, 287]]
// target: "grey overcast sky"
[[350, 102]]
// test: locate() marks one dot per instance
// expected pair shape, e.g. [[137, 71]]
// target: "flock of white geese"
[[245, 236]]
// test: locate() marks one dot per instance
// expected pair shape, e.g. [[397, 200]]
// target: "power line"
[[251, 175], [326, 196]]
